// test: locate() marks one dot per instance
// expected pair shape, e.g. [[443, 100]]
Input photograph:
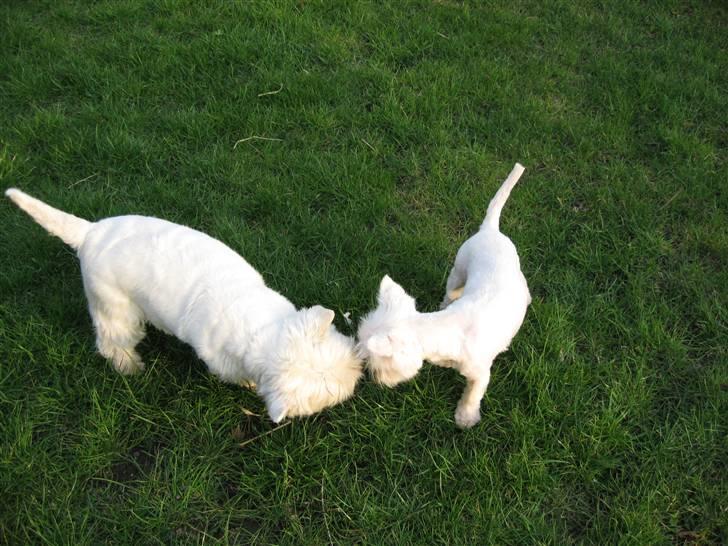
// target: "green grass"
[[606, 422]]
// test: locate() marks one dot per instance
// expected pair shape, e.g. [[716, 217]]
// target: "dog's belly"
[[445, 363]]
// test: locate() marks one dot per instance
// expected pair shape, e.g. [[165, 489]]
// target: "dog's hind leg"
[[467, 413], [455, 284], [119, 327]]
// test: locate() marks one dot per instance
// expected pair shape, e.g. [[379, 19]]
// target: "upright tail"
[[492, 218], [71, 229]]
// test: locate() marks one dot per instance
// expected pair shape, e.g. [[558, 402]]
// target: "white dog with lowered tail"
[[485, 304], [138, 269]]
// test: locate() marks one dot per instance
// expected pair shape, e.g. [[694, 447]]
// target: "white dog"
[[484, 306], [138, 269]]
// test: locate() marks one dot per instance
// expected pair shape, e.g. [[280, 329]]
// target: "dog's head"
[[314, 366], [387, 339]]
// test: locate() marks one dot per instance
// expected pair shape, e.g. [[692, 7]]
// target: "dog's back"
[[495, 291], [493, 267]]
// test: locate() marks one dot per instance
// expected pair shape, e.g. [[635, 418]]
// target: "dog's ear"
[[393, 295], [389, 290], [386, 283], [320, 320], [379, 345], [277, 408]]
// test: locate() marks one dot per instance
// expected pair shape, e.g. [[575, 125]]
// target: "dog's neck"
[[265, 341], [441, 336]]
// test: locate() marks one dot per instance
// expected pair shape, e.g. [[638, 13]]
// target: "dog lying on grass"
[[485, 302], [139, 269]]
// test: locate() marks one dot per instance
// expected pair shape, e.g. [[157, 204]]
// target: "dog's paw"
[[467, 417], [248, 385], [127, 364]]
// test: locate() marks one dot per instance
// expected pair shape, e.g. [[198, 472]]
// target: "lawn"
[[333, 142]]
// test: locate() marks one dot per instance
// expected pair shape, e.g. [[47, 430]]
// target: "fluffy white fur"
[[484, 306], [138, 269]]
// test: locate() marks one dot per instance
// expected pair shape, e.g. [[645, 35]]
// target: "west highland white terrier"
[[139, 269], [484, 306]]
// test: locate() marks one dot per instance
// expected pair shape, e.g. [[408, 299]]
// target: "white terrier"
[[484, 306], [138, 269]]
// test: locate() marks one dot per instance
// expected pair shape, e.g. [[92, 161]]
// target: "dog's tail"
[[492, 218], [71, 229]]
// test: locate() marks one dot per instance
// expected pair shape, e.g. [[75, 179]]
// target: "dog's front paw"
[[467, 417], [129, 366]]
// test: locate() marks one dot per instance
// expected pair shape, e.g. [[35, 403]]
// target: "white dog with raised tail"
[[484, 306], [138, 269]]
